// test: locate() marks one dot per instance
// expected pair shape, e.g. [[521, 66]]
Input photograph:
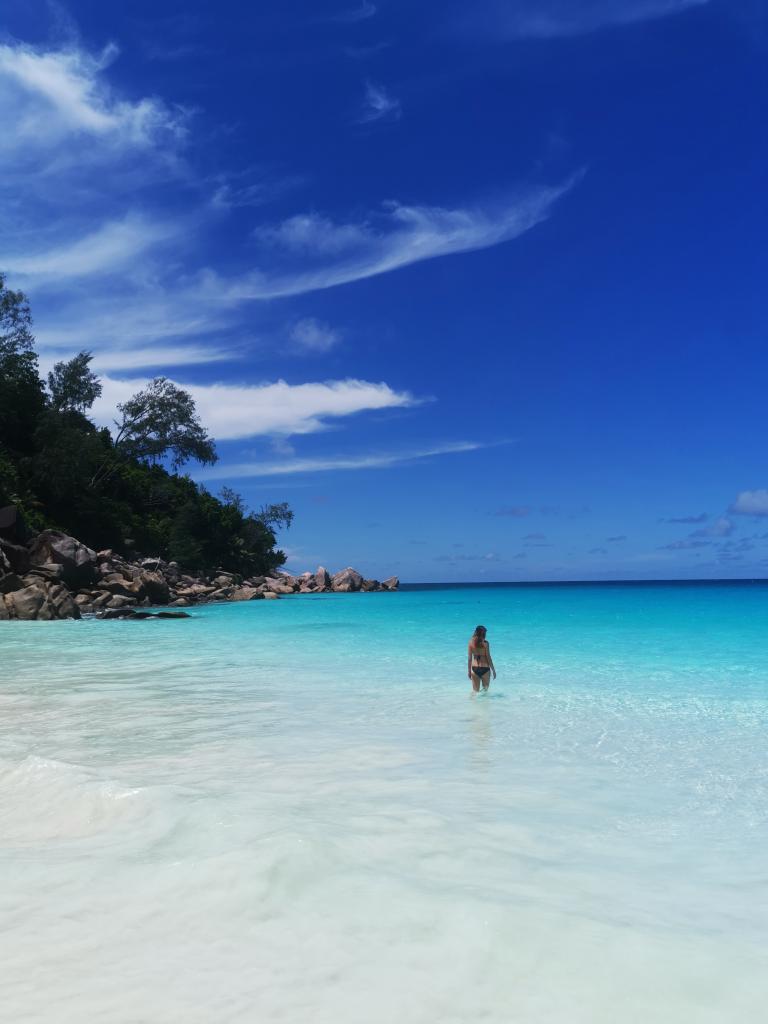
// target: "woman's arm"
[[469, 661], [490, 659]]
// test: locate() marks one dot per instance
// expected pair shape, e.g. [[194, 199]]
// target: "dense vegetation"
[[118, 490]]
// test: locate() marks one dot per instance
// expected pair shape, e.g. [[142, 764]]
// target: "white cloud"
[[52, 94], [142, 326], [333, 463], [231, 412], [142, 358], [310, 335], [313, 235], [750, 503], [155, 301], [111, 247], [324, 254], [378, 104], [544, 19]]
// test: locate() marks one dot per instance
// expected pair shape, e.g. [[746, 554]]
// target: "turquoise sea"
[[295, 811]]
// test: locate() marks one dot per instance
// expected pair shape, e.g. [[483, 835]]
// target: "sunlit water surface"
[[294, 811]]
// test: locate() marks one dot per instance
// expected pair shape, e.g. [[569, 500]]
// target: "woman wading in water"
[[479, 660]]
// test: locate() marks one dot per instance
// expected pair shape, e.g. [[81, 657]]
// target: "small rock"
[[247, 594], [155, 586], [117, 613]]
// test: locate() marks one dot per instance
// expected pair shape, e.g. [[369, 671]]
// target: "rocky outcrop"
[[322, 579], [57, 577], [39, 600], [347, 580], [77, 561]]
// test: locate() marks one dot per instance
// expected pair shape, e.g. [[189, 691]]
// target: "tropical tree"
[[74, 387], [159, 422], [22, 397]]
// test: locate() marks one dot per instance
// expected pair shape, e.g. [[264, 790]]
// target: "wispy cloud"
[[513, 511], [381, 460], [379, 105], [315, 253], [251, 187], [617, 539], [311, 335], [684, 545], [351, 15], [231, 412], [701, 518], [545, 19], [52, 94], [130, 327], [489, 556], [320, 253], [133, 290], [110, 248], [750, 503], [140, 358], [721, 527]]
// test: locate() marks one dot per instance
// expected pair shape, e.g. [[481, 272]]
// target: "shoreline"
[[58, 577]]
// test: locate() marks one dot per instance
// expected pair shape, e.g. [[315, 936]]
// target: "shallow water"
[[291, 811]]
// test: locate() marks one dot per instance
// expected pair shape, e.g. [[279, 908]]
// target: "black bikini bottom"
[[480, 670]]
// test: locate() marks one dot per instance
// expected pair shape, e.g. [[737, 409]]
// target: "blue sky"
[[478, 288]]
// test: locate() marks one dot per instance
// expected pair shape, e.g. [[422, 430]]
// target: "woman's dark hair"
[[479, 635]]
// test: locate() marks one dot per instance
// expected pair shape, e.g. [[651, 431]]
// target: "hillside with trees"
[[119, 489]]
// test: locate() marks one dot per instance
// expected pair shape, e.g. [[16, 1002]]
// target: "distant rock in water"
[[347, 580], [55, 576]]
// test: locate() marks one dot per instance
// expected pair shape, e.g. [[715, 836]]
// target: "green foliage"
[[22, 397], [276, 515], [64, 472], [73, 386], [9, 480], [161, 420]]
